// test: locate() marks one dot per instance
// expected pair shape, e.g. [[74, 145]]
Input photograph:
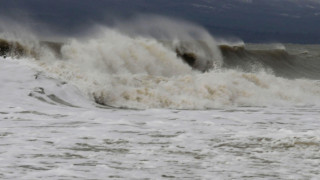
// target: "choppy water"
[[42, 137]]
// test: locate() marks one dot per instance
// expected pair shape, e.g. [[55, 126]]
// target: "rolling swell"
[[279, 61]]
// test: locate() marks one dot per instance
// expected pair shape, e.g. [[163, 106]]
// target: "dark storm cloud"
[[254, 20]]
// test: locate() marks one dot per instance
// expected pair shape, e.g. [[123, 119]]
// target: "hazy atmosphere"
[[289, 21]]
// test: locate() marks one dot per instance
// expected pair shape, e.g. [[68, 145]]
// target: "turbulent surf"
[[181, 69], [156, 99]]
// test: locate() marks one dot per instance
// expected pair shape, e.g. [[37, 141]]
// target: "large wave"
[[180, 69]]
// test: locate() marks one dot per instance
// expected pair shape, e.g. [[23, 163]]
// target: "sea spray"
[[179, 35], [136, 70], [122, 71]]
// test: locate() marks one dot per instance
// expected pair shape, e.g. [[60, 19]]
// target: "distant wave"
[[279, 61], [8, 48]]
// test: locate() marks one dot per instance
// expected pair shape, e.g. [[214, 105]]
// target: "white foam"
[[124, 71], [136, 70], [53, 141]]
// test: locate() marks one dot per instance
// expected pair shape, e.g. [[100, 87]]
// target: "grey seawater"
[[64, 142]]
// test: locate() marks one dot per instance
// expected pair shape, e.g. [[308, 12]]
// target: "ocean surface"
[[173, 104]]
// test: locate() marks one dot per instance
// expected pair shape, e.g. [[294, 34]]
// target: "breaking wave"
[[187, 69]]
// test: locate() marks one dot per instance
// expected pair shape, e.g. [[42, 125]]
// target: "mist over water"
[[177, 34]]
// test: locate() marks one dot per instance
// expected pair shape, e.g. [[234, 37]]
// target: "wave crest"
[[131, 70]]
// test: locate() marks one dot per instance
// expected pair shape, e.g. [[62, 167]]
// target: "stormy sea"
[[166, 101]]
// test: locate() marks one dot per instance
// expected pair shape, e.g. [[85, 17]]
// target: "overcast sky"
[[296, 21]]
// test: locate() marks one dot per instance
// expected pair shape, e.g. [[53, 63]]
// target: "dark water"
[[289, 60]]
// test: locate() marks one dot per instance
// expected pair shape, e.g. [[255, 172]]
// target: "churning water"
[[158, 105]]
